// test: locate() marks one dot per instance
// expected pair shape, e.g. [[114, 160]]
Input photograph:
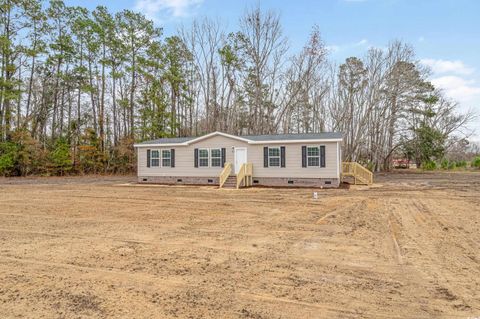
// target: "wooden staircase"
[[231, 182], [360, 175], [244, 178]]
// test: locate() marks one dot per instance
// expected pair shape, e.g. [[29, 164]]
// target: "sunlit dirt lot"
[[97, 247]]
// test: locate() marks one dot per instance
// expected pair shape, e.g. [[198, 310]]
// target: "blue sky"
[[445, 33]]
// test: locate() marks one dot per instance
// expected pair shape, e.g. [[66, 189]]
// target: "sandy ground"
[[93, 247]]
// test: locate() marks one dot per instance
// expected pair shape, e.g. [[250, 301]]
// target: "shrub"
[[370, 166], [444, 164], [60, 158], [91, 160], [452, 165], [476, 162], [429, 165], [8, 158], [461, 164]]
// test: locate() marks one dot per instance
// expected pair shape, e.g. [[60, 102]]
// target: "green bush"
[[60, 158], [370, 166], [8, 158], [476, 162], [429, 165], [452, 165], [444, 164], [461, 164]]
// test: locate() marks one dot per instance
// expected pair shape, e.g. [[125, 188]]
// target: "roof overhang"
[[198, 139], [195, 140], [160, 145], [324, 140]]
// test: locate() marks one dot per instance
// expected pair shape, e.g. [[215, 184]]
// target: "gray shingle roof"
[[257, 138], [169, 140]]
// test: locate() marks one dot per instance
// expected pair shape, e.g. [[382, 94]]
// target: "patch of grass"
[[444, 164], [476, 162], [452, 165], [461, 164], [429, 165]]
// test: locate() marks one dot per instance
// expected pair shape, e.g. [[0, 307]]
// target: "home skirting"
[[257, 181]]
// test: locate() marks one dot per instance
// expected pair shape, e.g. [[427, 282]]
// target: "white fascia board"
[[160, 145], [297, 141], [218, 133], [241, 139], [195, 140]]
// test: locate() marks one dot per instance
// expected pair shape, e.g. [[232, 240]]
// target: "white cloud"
[[362, 42], [421, 39], [446, 66], [460, 89], [155, 9], [459, 82]]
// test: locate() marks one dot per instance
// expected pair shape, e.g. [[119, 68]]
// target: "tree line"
[[79, 87]]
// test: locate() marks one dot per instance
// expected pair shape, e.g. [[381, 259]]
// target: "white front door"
[[240, 158]]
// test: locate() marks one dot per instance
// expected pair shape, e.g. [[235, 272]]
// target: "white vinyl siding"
[[293, 159]]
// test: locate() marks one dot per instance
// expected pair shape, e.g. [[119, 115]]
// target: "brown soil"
[[95, 247]]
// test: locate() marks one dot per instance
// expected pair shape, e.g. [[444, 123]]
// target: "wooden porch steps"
[[231, 182], [360, 175], [244, 177]]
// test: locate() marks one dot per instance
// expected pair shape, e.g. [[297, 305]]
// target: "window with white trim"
[[274, 156], [166, 158], [154, 158], [203, 157], [216, 157], [313, 156]]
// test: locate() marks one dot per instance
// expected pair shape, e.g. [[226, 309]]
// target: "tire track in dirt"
[[361, 208], [393, 225], [329, 309], [442, 225], [351, 207], [475, 246], [444, 281]]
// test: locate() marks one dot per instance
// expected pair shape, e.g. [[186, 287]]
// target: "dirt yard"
[[409, 247]]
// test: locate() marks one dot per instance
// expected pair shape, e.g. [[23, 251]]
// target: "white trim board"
[[306, 141]]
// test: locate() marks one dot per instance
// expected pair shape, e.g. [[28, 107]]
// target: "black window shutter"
[[224, 153], [322, 156], [148, 158], [195, 157], [265, 156], [172, 160], [304, 156], [282, 156]]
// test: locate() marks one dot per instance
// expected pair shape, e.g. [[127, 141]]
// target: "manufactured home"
[[312, 160]]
